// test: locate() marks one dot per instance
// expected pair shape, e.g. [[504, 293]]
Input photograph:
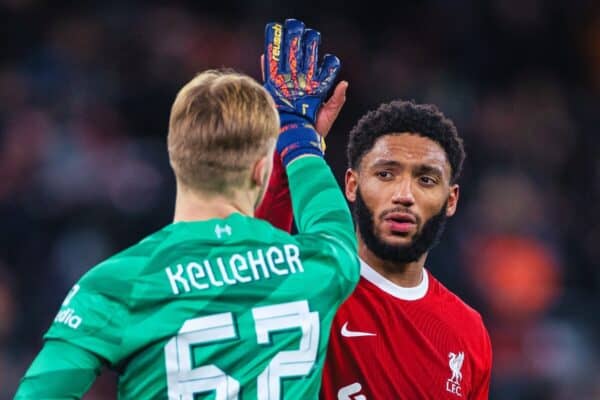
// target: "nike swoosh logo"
[[348, 333]]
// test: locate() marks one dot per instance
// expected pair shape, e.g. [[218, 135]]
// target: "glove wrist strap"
[[298, 140]]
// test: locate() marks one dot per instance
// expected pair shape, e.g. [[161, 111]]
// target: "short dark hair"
[[406, 116]]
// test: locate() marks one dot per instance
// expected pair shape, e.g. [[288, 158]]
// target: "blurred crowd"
[[85, 93]]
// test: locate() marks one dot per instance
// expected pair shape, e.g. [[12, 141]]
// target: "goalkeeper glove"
[[297, 84]]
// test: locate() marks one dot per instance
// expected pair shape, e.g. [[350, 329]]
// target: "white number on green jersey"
[[184, 382]]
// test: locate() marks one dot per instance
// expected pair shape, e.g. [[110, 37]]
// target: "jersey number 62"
[[184, 382]]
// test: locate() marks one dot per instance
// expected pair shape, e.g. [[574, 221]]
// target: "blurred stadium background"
[[85, 92]]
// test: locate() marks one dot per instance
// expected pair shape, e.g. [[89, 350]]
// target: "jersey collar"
[[403, 293]]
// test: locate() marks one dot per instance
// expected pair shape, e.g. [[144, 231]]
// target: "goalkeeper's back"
[[217, 303]]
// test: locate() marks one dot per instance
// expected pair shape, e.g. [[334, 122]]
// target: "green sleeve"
[[60, 371], [322, 215]]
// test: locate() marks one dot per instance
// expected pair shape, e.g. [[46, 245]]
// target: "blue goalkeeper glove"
[[297, 84]]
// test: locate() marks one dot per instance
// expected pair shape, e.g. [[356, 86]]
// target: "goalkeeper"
[[218, 303]]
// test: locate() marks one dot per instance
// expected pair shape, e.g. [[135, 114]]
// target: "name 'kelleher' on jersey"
[[227, 308]]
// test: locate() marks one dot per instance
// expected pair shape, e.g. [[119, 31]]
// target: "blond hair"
[[221, 123]]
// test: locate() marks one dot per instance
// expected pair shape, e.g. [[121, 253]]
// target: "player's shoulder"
[[265, 230], [232, 230], [453, 306], [124, 265]]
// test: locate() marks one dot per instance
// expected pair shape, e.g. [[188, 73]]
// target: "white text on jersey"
[[237, 268], [351, 392], [68, 317]]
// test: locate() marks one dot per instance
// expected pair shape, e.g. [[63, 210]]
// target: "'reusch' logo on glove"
[[292, 75]]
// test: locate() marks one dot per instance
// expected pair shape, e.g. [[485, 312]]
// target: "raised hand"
[[292, 74]]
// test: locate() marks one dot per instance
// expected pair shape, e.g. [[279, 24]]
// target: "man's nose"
[[403, 193]]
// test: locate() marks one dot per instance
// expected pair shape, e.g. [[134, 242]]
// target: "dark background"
[[85, 92]]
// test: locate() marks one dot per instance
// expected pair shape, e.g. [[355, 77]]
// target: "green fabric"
[[60, 371], [252, 304]]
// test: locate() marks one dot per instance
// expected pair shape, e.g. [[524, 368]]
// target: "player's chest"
[[411, 354]]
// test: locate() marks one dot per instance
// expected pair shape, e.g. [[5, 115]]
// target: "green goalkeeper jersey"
[[219, 309]]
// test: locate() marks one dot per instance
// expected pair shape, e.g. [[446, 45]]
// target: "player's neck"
[[192, 205], [402, 274]]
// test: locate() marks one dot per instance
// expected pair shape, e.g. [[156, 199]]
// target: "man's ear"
[[262, 170], [452, 200], [351, 184]]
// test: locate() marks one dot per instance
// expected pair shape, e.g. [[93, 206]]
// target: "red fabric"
[[276, 206], [409, 356]]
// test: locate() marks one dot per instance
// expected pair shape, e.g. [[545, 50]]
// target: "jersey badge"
[[455, 363]]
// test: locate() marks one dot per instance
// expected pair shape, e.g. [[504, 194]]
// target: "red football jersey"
[[389, 342]]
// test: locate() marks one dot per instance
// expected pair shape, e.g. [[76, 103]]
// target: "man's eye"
[[427, 180], [384, 174]]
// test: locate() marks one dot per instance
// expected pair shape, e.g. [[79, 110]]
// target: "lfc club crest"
[[455, 363]]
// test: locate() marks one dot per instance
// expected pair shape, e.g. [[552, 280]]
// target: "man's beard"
[[421, 243]]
